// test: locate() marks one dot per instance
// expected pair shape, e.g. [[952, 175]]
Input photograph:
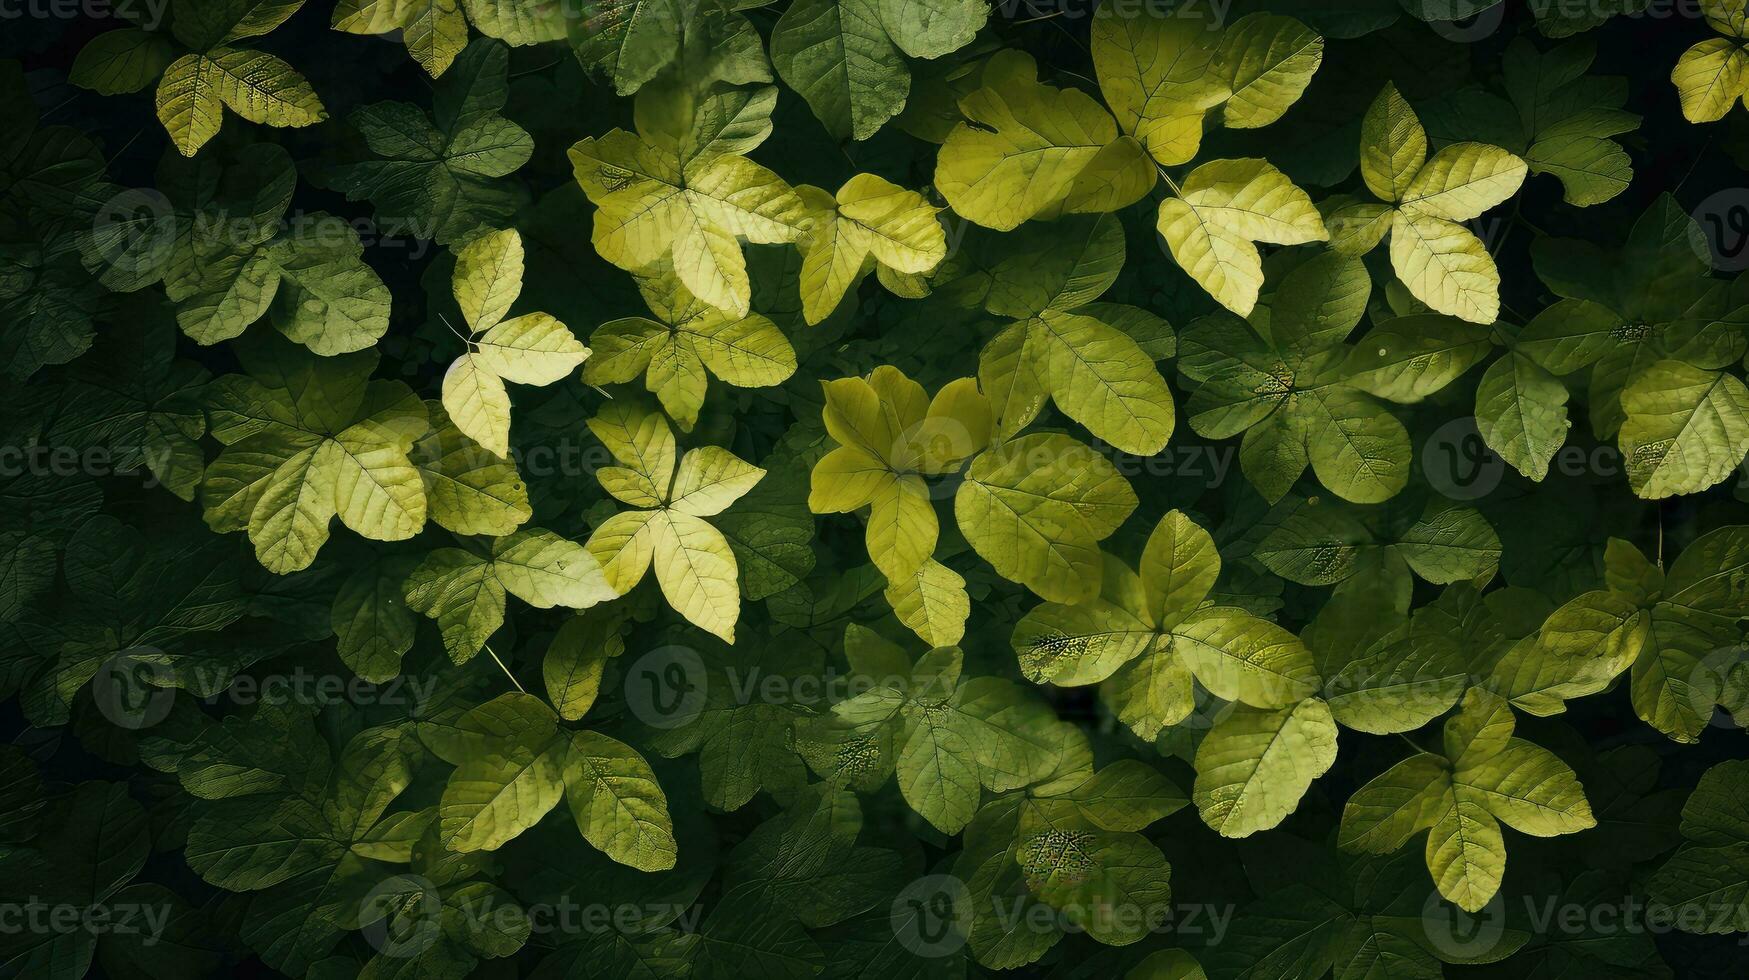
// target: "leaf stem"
[[506, 670], [1660, 535], [464, 337], [1176, 190], [1692, 164]]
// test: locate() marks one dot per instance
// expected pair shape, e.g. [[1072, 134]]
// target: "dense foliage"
[[1276, 509]]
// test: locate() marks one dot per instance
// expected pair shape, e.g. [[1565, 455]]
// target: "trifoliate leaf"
[[694, 565], [1254, 765], [1484, 777], [868, 222], [436, 174], [1668, 632], [1299, 394], [310, 439], [1225, 207], [465, 591], [197, 89], [1024, 146], [891, 437], [1444, 265], [1070, 349], [532, 349], [688, 339], [513, 764], [1147, 636], [652, 203]]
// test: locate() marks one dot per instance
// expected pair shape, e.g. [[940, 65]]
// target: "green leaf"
[[1253, 766], [1023, 147], [1710, 77], [1685, 430], [1568, 118], [1702, 887], [1485, 777], [1083, 355], [1225, 207], [868, 220], [651, 203], [1443, 264], [891, 437], [694, 565], [932, 603], [1521, 412], [121, 61], [692, 338], [617, 802], [437, 174], [465, 592], [532, 349], [372, 624], [575, 660], [837, 55], [1036, 509], [197, 89], [306, 446]]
